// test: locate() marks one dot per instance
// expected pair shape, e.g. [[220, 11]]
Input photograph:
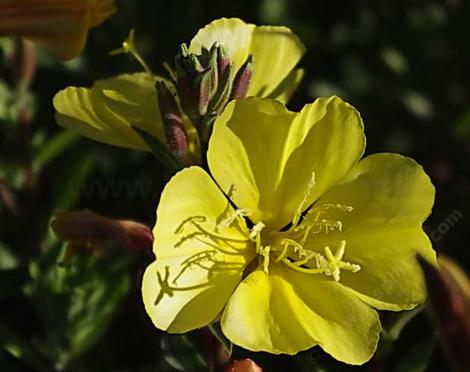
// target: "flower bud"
[[449, 304], [89, 231], [242, 79], [223, 62], [186, 85], [172, 120], [244, 365]]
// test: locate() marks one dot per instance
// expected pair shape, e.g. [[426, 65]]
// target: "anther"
[[256, 230], [264, 253]]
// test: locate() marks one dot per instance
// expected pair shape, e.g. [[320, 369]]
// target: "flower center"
[[289, 247], [283, 247]]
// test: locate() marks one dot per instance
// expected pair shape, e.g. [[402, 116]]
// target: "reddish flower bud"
[[244, 365], [242, 80], [205, 87], [449, 304], [89, 231], [223, 62], [172, 120]]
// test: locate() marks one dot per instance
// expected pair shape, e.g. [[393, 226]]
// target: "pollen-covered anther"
[[256, 231], [331, 225], [338, 207], [264, 252]]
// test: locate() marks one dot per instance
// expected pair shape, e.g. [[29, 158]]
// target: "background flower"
[[60, 26], [102, 112]]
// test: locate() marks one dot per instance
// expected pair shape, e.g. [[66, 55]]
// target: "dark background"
[[403, 64]]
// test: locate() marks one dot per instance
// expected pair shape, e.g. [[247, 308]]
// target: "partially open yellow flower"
[[102, 112], [295, 241], [60, 25]]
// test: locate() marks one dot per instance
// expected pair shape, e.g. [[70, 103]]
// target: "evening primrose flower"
[[61, 26], [227, 59], [293, 241]]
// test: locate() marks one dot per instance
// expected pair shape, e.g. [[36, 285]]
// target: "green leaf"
[[8, 260], [54, 148], [182, 353], [75, 301]]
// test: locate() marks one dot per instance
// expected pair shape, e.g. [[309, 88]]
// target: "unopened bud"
[[242, 79], [223, 62], [244, 365], [449, 303], [213, 66], [89, 231], [172, 120], [205, 85]]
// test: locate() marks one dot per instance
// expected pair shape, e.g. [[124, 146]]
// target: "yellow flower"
[[298, 241], [107, 111], [60, 25]]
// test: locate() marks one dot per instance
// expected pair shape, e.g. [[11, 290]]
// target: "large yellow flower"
[[107, 111], [60, 25], [297, 241]]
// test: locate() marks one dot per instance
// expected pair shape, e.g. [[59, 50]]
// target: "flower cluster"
[[276, 227]]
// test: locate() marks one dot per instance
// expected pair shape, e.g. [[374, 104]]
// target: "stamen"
[[331, 265], [303, 203], [318, 224], [335, 262], [338, 207], [256, 231], [264, 252], [238, 214], [128, 47]]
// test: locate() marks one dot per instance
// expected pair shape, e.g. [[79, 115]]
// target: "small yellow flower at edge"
[[108, 111], [59, 25], [319, 239]]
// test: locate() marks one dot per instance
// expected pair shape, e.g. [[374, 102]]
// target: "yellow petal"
[[195, 271], [276, 50], [107, 111], [391, 196], [60, 26], [287, 87], [274, 153], [287, 311]]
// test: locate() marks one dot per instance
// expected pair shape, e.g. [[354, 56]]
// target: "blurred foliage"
[[403, 64]]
